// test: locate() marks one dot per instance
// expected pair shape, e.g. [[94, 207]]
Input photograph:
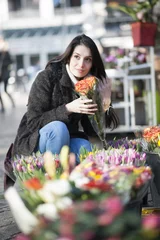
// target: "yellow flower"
[[91, 174], [64, 175], [64, 157], [139, 170], [29, 167], [49, 164]]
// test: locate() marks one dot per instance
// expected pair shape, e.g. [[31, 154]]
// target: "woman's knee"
[[53, 137], [55, 128]]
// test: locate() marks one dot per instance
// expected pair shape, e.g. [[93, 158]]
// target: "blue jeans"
[[55, 135]]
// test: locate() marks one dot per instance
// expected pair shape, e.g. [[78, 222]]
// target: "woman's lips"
[[80, 70]]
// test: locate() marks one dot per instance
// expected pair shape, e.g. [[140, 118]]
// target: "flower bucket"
[[153, 160], [136, 204], [143, 33]]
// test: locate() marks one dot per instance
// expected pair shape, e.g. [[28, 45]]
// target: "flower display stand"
[[153, 160], [136, 204]]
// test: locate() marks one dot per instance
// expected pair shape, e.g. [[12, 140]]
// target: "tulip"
[[25, 220]]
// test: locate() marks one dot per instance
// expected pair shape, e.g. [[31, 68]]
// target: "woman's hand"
[[82, 105], [104, 88]]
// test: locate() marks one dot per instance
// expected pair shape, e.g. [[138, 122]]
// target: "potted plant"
[[144, 27]]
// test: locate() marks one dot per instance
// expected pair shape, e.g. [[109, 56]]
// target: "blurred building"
[[37, 30]]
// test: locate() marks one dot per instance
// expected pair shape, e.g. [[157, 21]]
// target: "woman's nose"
[[81, 63]]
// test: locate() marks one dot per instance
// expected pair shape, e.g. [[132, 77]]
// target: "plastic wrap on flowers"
[[88, 88]]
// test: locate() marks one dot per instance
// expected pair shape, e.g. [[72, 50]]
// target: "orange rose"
[[84, 86]]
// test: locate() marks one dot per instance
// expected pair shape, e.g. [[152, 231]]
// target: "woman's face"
[[81, 61]]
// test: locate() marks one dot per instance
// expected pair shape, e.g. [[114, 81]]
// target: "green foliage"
[[141, 11]]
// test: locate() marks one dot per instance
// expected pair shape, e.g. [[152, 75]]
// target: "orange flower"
[[84, 86], [33, 183], [151, 133]]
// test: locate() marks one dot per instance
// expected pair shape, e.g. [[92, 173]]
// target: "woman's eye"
[[76, 56], [88, 60]]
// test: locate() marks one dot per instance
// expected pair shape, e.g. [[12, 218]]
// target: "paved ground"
[[9, 121]]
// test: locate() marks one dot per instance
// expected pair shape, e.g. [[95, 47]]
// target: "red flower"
[[99, 185], [33, 183], [57, 163]]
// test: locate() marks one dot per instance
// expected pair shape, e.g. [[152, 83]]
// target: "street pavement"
[[9, 121]]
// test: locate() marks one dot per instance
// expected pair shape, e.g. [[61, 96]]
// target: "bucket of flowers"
[[151, 145], [25, 167], [125, 153], [83, 202]]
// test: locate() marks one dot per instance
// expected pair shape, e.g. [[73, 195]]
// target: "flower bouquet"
[[126, 143], [151, 145], [25, 167], [115, 156], [124, 180], [151, 136], [88, 89]]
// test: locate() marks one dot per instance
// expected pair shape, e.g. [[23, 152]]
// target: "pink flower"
[[151, 222], [21, 237], [88, 205], [113, 205], [105, 219]]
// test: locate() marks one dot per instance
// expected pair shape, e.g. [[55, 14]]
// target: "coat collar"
[[65, 79]]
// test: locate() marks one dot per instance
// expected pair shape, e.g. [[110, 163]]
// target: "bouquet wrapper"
[[88, 88], [98, 119]]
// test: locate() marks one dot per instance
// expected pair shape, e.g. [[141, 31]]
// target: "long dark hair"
[[98, 69]]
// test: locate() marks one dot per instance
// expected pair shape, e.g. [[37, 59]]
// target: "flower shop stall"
[[94, 200], [151, 145], [127, 72]]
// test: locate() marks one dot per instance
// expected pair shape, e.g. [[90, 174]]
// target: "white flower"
[[48, 210], [54, 189], [63, 203], [46, 195], [59, 187], [78, 178], [25, 220], [75, 174]]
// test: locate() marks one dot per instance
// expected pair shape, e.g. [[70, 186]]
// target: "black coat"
[[50, 92]]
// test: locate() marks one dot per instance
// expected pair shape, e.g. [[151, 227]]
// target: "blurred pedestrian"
[[5, 68]]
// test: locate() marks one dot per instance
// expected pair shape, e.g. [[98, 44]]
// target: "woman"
[[54, 110]]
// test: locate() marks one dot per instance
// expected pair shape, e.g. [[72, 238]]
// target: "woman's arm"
[[39, 111]]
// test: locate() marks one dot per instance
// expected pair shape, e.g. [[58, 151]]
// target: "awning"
[[122, 42], [45, 31]]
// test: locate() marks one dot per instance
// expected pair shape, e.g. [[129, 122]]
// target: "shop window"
[[19, 61], [57, 3], [34, 59], [75, 3], [52, 55], [14, 5]]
